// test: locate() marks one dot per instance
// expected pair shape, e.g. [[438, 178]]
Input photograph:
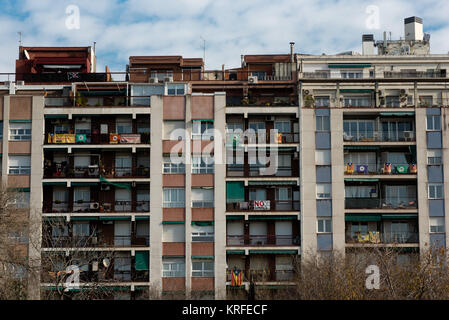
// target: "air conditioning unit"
[[20, 83], [105, 187], [168, 79], [409, 135], [7, 83], [94, 264], [153, 80], [94, 240], [307, 92], [381, 93], [252, 79], [94, 206], [296, 155]]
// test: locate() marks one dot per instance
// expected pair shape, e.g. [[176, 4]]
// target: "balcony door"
[[60, 199], [122, 233], [258, 233], [235, 233], [399, 231], [123, 165], [283, 231], [400, 196], [83, 126], [81, 199], [122, 200], [81, 163], [257, 194], [283, 199], [257, 132]]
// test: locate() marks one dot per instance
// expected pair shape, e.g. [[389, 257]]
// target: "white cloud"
[[231, 28]]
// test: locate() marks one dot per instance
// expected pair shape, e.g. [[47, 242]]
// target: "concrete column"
[[6, 104], [156, 194], [220, 195], [423, 203], [308, 183], [445, 118], [36, 195], [188, 197], [338, 182]]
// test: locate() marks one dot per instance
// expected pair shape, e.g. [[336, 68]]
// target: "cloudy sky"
[[123, 28]]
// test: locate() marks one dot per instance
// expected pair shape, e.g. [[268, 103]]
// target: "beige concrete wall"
[[423, 203], [156, 194], [220, 196], [338, 183], [308, 183], [445, 116]]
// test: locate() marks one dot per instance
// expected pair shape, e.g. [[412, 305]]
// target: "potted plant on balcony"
[[80, 101]]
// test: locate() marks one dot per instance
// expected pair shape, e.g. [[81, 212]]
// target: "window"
[[323, 157], [352, 74], [176, 89], [19, 131], [363, 158], [1, 130], [434, 157], [174, 198], [81, 229], [358, 129], [124, 125], [202, 164], [202, 197], [161, 74], [426, 101], [324, 225], [202, 130], [202, 268], [436, 191], [174, 130], [433, 122], [141, 95], [359, 101], [62, 128], [19, 165], [22, 201], [322, 102], [322, 123], [436, 224], [323, 191], [202, 233], [360, 191], [173, 232], [393, 101], [282, 126], [177, 166], [173, 268], [261, 75]]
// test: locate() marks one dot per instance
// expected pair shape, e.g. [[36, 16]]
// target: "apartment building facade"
[[171, 180]]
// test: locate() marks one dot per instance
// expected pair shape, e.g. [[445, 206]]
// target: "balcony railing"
[[245, 170], [380, 136], [264, 275], [387, 169], [262, 240], [414, 74], [97, 101], [274, 137], [282, 101], [376, 203], [95, 242], [65, 77], [96, 138], [96, 207], [383, 237], [202, 203], [264, 205]]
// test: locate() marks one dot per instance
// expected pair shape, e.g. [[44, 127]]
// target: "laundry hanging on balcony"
[[115, 184]]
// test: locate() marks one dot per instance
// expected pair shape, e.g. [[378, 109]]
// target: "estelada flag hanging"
[[237, 278]]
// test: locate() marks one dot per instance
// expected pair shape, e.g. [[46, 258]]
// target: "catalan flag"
[[237, 278]]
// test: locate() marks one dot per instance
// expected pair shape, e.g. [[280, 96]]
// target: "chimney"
[[242, 60], [292, 52], [368, 44], [413, 28]]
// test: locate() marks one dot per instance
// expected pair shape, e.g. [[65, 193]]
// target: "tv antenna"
[[20, 38], [204, 49]]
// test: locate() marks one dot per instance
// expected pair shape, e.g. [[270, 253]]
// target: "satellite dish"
[[106, 262]]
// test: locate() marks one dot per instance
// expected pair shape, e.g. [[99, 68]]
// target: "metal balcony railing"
[[202, 203], [96, 207], [264, 205], [97, 101], [386, 169], [262, 240], [270, 101], [380, 136], [96, 138], [264, 275], [383, 237], [376, 203]]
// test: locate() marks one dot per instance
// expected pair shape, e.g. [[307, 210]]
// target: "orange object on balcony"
[[114, 138], [413, 168], [280, 138], [387, 168], [349, 169]]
